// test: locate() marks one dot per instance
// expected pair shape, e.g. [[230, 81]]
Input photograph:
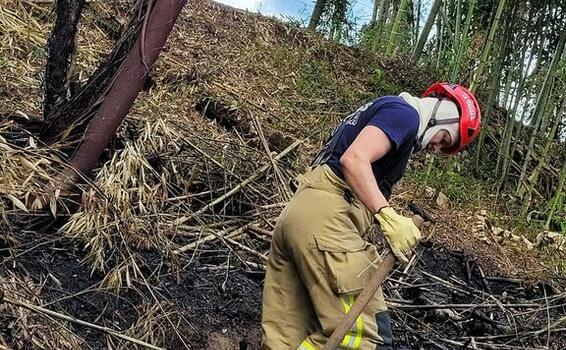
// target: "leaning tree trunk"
[[127, 85], [316, 14], [61, 47], [72, 115]]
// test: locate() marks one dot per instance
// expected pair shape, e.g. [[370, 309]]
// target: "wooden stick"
[[278, 176], [247, 249], [78, 321], [362, 300], [375, 281], [256, 265]]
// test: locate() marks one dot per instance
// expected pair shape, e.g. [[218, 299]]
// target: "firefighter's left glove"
[[401, 233]]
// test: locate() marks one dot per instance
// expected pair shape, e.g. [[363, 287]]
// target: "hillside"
[[164, 244]]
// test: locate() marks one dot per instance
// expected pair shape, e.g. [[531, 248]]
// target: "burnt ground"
[[215, 303], [212, 306], [208, 298]]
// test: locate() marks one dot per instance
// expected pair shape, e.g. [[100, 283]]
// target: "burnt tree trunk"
[[70, 117], [128, 82], [61, 48]]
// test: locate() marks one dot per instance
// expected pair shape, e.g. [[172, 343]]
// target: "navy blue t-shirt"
[[395, 117]]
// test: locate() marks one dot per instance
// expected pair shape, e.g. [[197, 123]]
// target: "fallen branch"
[[247, 249], [210, 237], [459, 306], [106, 330], [260, 231]]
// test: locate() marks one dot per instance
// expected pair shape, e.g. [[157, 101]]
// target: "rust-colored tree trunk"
[[127, 85]]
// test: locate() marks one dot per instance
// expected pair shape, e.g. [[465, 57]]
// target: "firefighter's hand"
[[401, 233]]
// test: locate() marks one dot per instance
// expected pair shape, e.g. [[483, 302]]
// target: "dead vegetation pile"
[[166, 242]]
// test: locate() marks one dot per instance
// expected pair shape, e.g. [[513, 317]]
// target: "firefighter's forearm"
[[360, 178]]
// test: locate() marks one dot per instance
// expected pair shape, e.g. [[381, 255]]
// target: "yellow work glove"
[[401, 233]]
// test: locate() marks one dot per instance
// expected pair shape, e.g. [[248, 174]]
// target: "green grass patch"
[[446, 175]]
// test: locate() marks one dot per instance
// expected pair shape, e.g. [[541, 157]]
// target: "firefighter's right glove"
[[401, 233]]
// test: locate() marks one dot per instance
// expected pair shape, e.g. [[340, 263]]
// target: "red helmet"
[[470, 114]]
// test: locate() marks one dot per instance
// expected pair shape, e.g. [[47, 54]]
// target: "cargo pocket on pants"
[[350, 261]]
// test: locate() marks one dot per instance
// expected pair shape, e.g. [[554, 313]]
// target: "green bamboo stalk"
[[457, 25], [426, 29], [448, 28], [316, 14], [439, 41], [504, 154], [487, 49], [394, 35], [493, 91], [463, 43], [533, 179], [417, 24], [538, 113], [511, 147], [380, 24], [557, 196], [374, 11], [508, 128]]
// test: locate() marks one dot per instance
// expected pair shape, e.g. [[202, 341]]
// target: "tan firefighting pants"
[[317, 266]]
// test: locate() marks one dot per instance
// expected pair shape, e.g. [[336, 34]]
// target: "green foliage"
[[39, 52], [458, 185], [557, 222], [369, 38], [381, 84], [316, 79], [4, 62]]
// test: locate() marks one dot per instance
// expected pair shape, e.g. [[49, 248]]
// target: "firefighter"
[[318, 262]]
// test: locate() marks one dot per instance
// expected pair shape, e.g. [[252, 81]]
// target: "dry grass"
[[29, 330], [169, 159]]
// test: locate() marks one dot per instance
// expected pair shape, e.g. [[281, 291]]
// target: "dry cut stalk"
[[240, 186], [260, 231], [209, 237]]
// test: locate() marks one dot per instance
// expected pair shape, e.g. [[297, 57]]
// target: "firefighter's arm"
[[370, 145]]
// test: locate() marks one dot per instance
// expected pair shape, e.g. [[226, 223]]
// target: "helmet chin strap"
[[434, 122]]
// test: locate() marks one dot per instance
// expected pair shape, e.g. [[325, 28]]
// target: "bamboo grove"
[[511, 53]]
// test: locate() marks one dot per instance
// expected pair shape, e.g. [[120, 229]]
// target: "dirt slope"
[[230, 90]]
